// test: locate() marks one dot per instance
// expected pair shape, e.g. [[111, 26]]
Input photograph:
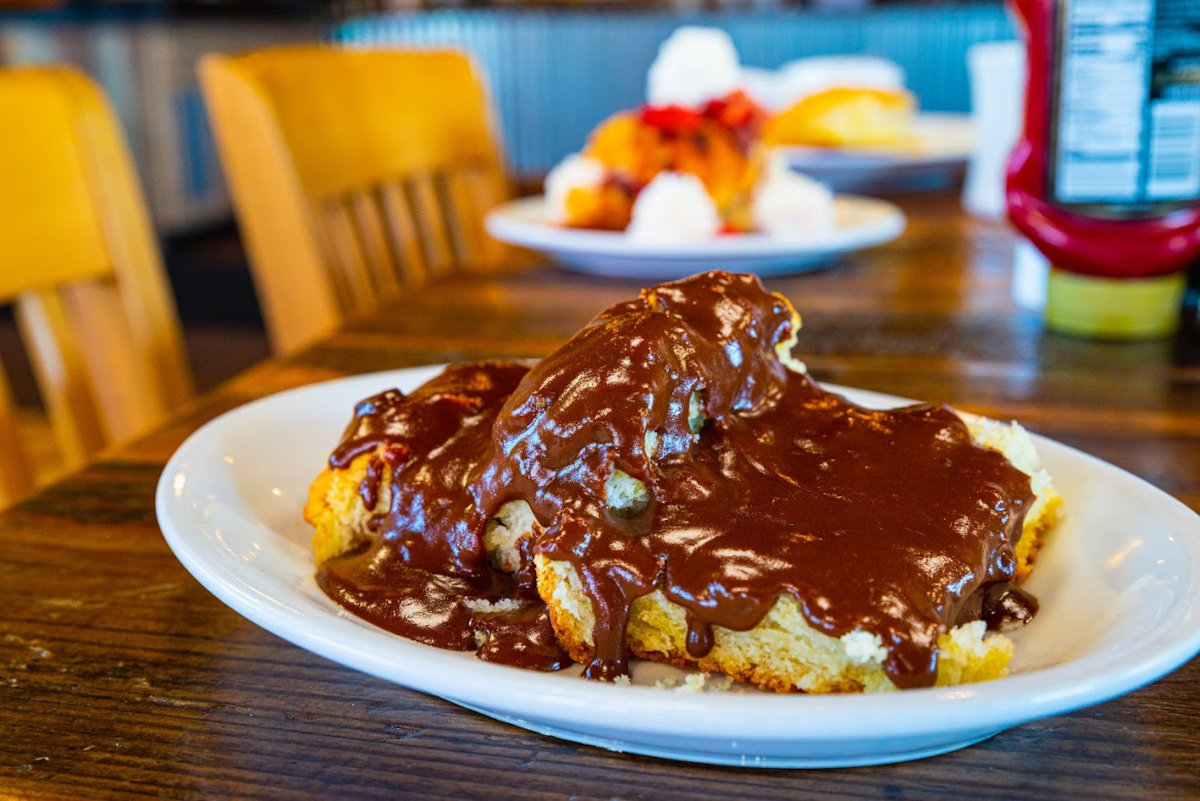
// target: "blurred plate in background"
[[940, 154], [861, 222]]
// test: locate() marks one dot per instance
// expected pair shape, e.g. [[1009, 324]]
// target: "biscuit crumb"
[[862, 647]]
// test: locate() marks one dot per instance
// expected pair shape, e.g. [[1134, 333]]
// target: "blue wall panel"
[[554, 75]]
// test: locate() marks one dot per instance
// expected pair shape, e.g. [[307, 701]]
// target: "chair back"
[[81, 268], [355, 173]]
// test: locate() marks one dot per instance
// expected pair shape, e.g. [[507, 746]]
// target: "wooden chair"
[[355, 173], [81, 268]]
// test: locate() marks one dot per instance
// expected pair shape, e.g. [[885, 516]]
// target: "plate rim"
[[506, 222], [1043, 692]]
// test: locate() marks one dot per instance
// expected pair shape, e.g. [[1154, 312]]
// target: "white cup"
[[997, 74]]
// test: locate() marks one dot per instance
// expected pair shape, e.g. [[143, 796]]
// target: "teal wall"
[[554, 75]]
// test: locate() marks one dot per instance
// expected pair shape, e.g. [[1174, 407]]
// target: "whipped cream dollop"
[[790, 205], [674, 207], [694, 65], [573, 172]]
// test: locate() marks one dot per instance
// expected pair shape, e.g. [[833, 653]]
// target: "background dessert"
[[854, 117], [696, 145], [851, 101]]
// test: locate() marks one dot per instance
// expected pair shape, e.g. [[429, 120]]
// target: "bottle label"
[[1126, 124]]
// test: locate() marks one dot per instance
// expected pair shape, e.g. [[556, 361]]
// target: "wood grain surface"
[[121, 677]]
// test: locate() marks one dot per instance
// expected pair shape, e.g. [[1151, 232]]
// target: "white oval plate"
[[942, 148], [861, 222], [1118, 584]]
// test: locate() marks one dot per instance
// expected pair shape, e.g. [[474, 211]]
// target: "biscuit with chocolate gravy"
[[640, 472], [784, 652]]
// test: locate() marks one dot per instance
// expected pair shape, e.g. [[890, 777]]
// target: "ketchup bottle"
[[1105, 179]]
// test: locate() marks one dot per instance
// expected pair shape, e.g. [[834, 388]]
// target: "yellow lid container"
[[1113, 308]]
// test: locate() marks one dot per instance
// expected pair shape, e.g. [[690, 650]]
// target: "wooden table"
[[121, 677]]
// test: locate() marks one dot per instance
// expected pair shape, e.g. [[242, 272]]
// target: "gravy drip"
[[892, 522], [426, 575]]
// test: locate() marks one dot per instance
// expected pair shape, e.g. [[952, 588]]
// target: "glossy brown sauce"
[[893, 522], [427, 577]]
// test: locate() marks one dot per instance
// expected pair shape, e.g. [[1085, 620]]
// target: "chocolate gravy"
[[427, 576], [892, 522]]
